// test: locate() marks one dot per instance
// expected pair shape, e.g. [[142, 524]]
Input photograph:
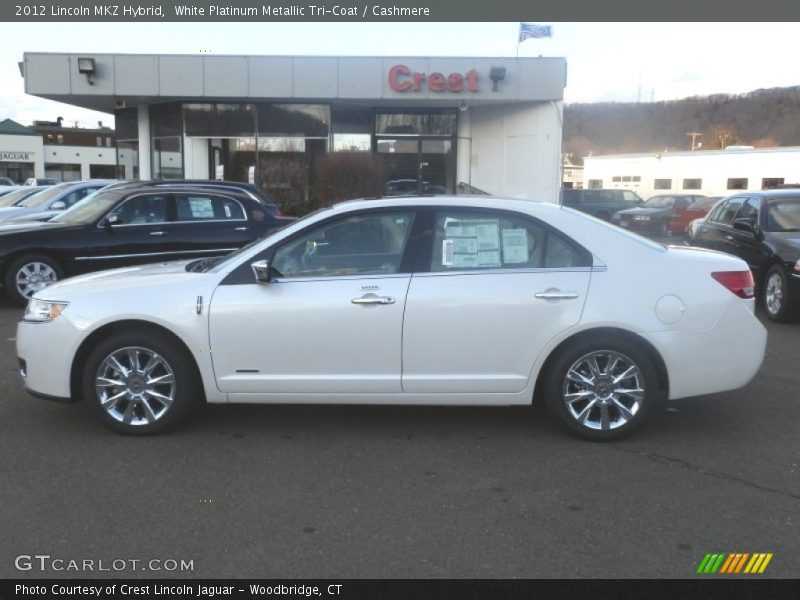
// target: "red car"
[[698, 210]]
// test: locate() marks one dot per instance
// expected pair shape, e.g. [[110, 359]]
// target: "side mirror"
[[60, 205], [745, 225], [261, 271], [111, 220]]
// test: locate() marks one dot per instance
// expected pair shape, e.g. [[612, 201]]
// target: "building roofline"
[[695, 153]]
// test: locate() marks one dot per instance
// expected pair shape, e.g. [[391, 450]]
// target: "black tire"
[[556, 387], [15, 291], [186, 391], [775, 295]]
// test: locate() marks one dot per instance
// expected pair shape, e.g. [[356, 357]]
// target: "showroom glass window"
[[352, 128], [127, 131], [363, 244], [166, 130], [291, 139], [468, 241]]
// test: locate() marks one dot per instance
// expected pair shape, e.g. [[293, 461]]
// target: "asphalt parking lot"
[[305, 491]]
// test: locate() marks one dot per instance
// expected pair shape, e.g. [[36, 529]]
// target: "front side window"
[[364, 244], [475, 241], [199, 207], [142, 210], [728, 212]]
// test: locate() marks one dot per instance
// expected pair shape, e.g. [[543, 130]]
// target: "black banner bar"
[[395, 10], [733, 588]]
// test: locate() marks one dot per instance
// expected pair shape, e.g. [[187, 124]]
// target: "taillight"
[[739, 282]]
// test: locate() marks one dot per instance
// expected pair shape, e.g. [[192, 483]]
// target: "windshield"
[[88, 210], [14, 197], [46, 194], [660, 202], [783, 214]]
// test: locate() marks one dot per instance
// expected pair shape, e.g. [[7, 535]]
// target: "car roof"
[[125, 190], [779, 193]]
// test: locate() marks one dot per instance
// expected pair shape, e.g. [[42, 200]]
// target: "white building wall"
[[31, 145], [85, 156], [516, 150], [713, 168]]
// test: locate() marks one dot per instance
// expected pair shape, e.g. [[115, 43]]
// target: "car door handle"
[[557, 295], [240, 229], [157, 232], [729, 237], [373, 299]]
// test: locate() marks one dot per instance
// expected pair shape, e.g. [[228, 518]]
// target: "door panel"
[[482, 332], [308, 336]]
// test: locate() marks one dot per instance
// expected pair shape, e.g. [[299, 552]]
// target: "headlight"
[[40, 311]]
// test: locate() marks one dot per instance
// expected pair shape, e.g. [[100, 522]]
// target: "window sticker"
[[227, 211], [515, 246], [471, 243], [201, 208]]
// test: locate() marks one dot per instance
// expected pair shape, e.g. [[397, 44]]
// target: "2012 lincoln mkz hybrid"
[[434, 300]]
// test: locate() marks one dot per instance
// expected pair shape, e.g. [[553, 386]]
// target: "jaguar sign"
[[15, 156]]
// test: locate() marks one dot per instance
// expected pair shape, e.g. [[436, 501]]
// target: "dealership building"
[[436, 124]]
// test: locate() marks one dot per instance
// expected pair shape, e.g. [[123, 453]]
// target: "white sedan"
[[463, 301]]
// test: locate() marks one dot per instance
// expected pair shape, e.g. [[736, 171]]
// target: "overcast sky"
[[605, 61]]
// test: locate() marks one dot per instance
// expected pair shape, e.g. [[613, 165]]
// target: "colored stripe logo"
[[731, 563]]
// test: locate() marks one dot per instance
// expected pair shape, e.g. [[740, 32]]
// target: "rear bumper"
[[725, 357]]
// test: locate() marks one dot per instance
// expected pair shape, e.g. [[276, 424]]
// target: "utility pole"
[[695, 135]]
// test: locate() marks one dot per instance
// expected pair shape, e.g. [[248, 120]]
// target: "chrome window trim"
[[220, 251], [501, 271], [341, 277]]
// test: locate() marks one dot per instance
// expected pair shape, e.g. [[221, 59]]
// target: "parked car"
[[655, 214], [53, 198], [123, 227], [679, 224], [41, 181], [762, 228], [445, 300], [254, 192], [6, 181], [17, 195], [412, 187], [599, 203], [7, 189]]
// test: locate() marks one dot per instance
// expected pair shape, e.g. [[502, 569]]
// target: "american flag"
[[531, 30]]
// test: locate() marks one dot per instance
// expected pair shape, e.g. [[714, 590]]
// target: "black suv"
[[599, 203], [763, 229]]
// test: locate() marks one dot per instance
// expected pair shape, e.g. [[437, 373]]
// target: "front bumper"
[[47, 350]]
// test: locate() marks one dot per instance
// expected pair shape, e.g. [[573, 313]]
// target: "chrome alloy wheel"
[[603, 390], [33, 277], [773, 296], [135, 385]]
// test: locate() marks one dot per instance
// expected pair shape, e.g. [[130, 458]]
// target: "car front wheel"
[[29, 274], [601, 390], [776, 295], [140, 383]]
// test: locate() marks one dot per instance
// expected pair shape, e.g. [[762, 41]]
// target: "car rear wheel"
[[29, 274], [140, 383], [601, 390], [776, 295]]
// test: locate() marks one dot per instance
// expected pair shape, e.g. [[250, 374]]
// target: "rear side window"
[[200, 207], [141, 210], [466, 241]]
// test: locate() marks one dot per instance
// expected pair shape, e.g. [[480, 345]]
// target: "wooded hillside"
[[763, 118]]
